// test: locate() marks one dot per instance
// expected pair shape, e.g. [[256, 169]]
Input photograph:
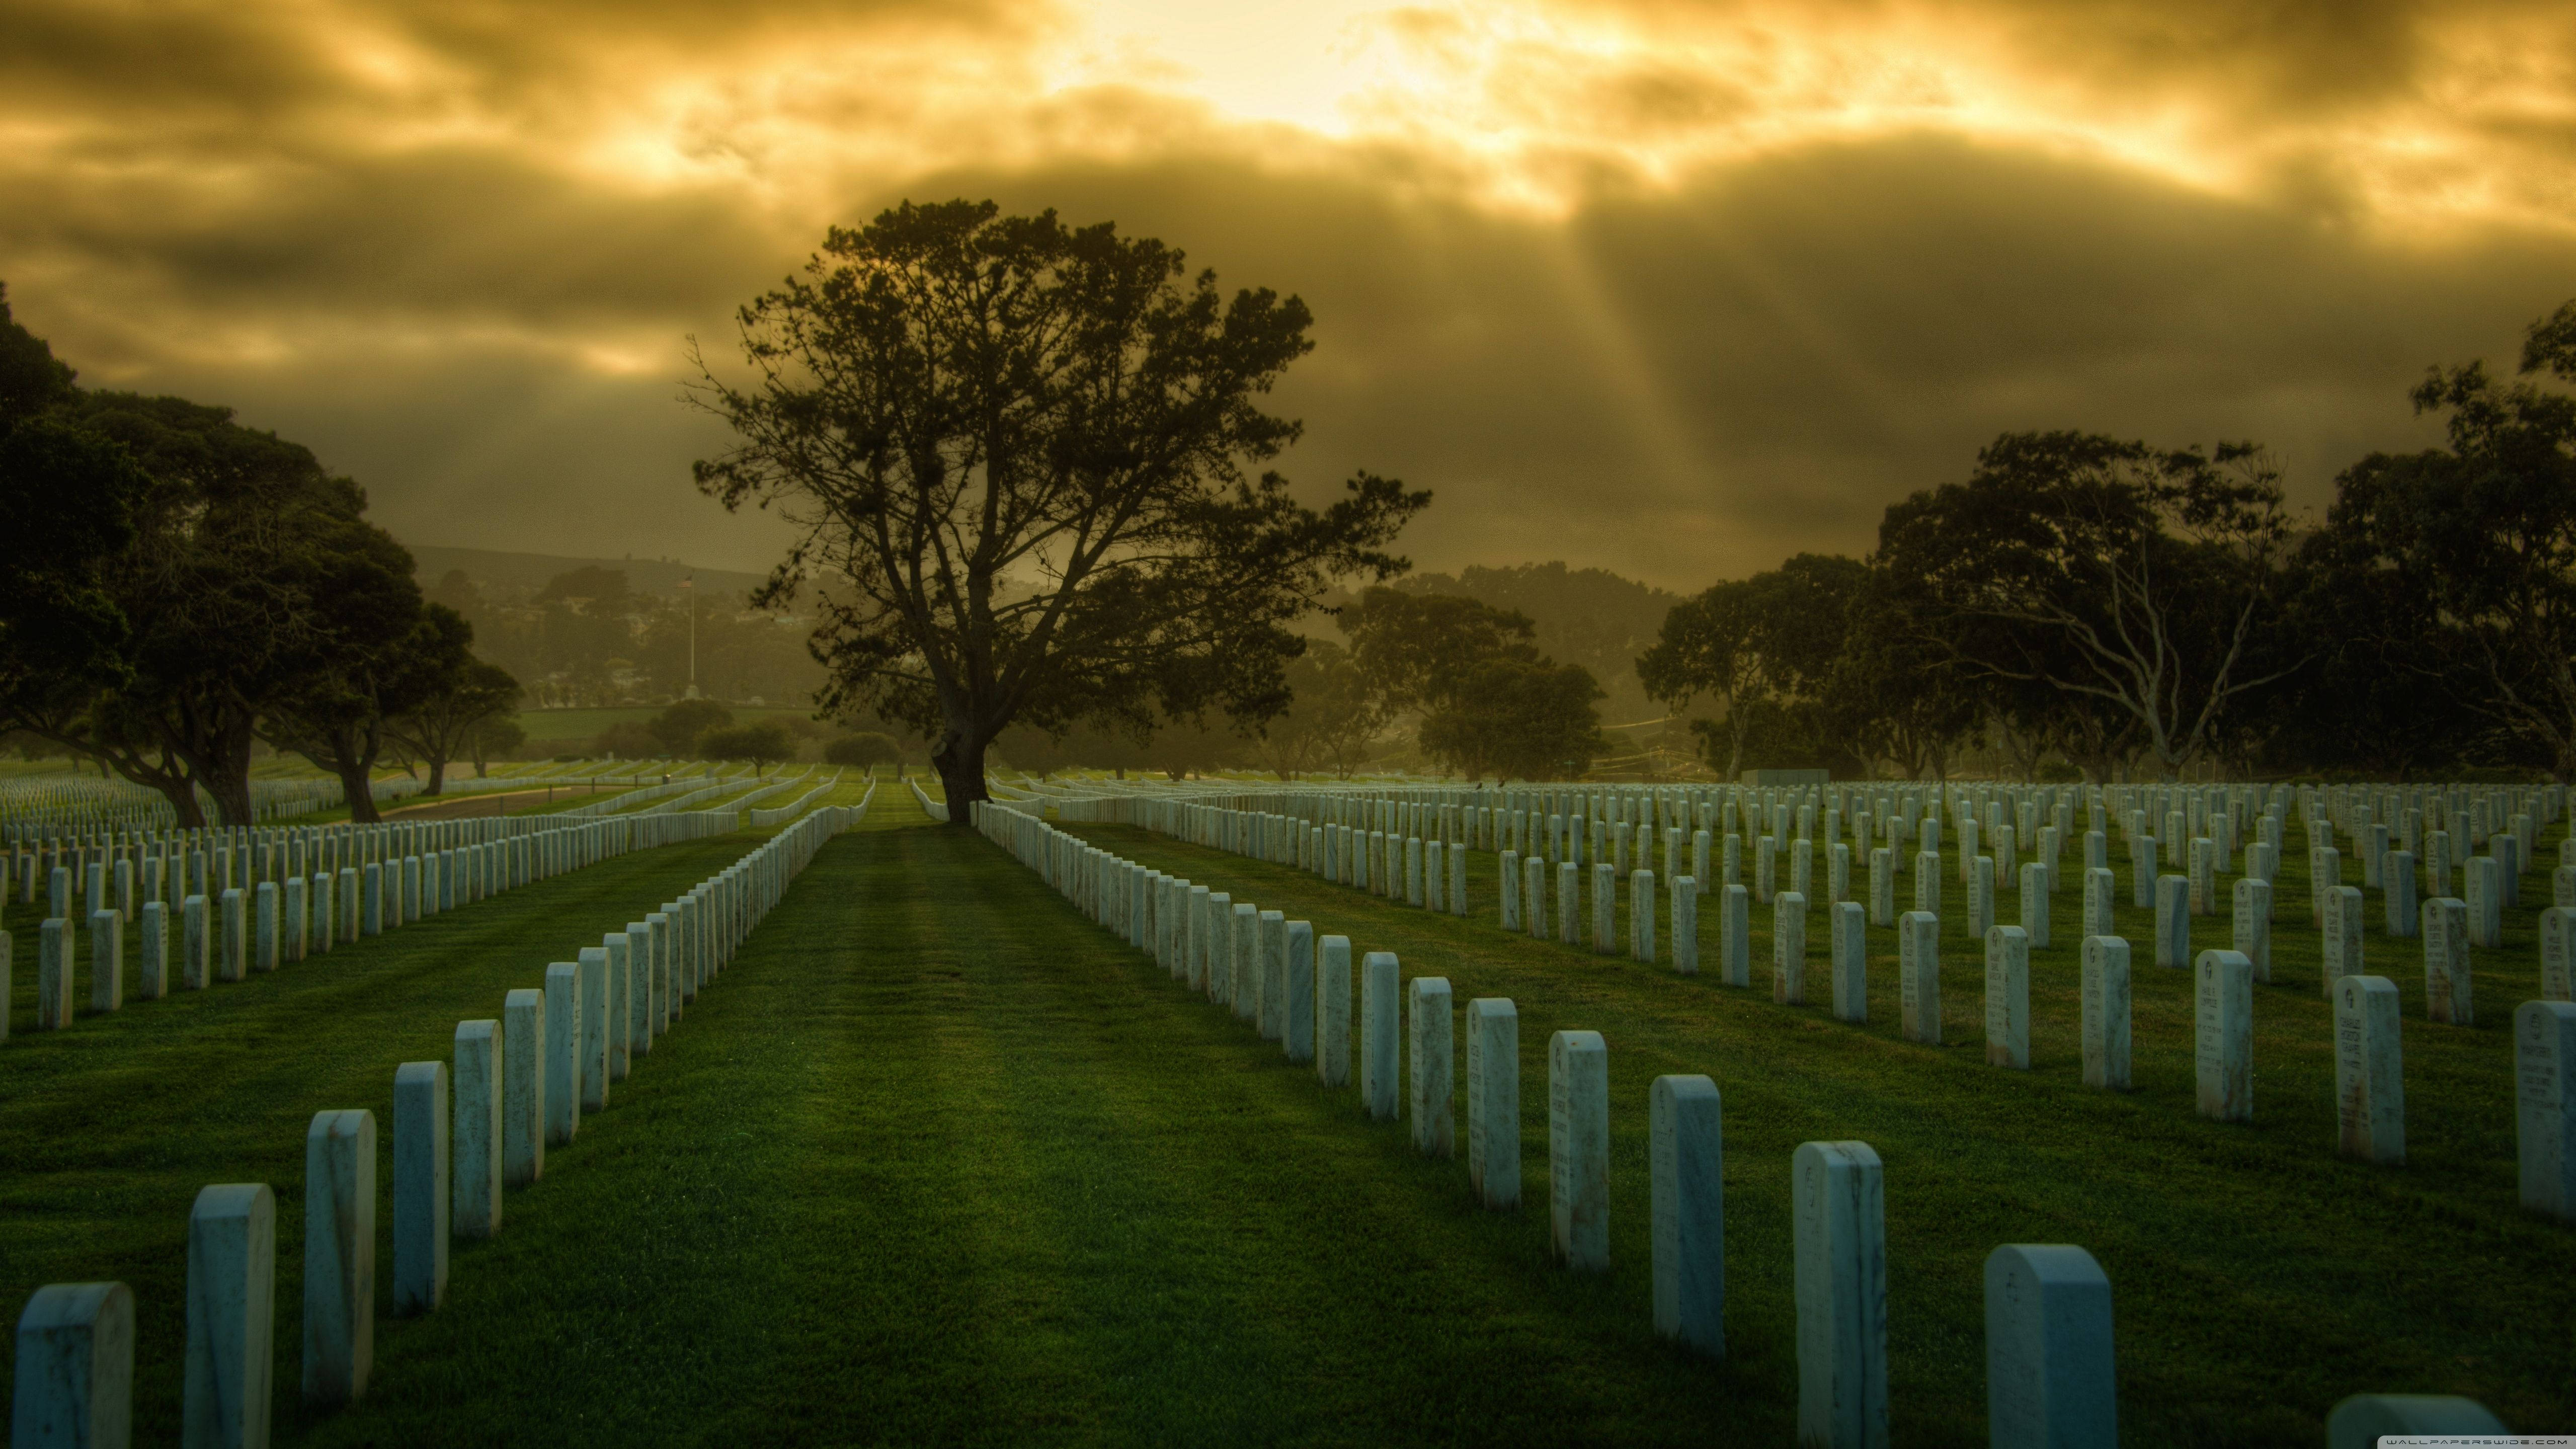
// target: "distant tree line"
[[2142, 611], [175, 587], [1025, 463], [706, 729]]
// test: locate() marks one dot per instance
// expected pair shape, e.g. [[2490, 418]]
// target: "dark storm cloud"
[[1677, 301], [1694, 385], [465, 232]]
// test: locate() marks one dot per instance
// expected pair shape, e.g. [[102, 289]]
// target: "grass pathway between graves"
[[937, 1161], [2257, 1277]]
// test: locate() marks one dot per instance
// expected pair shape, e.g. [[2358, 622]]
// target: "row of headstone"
[[1230, 951], [2037, 1395], [1558, 821], [51, 807], [672, 792], [1914, 819], [1908, 814], [462, 1133], [172, 863], [2368, 1059], [2216, 809], [227, 936], [2049, 1341]]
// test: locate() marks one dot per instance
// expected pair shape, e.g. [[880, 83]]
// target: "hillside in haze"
[[494, 571], [596, 632]]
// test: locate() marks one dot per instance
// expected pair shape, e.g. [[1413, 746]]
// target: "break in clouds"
[[1674, 290]]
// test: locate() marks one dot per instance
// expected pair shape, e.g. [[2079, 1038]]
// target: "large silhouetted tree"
[[171, 576], [2127, 579], [67, 501], [2476, 545], [1019, 460]]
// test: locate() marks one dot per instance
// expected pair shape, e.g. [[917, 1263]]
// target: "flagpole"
[[689, 586]]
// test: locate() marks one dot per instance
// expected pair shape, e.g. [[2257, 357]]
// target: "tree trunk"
[[355, 784], [960, 762], [232, 800], [353, 759], [174, 786], [222, 768], [437, 777]]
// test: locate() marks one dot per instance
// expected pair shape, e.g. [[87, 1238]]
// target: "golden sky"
[[1670, 288]]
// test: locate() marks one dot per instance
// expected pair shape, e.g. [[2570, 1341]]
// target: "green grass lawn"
[[2258, 1278], [939, 1161]]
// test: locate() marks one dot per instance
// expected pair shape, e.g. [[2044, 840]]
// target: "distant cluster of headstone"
[[763, 819], [1410, 844], [690, 792], [40, 807], [256, 899], [462, 1132]]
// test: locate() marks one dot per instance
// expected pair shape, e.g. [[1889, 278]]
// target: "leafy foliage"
[[1489, 702], [1765, 648], [763, 744], [495, 737], [2468, 554], [680, 724], [462, 695], [858, 751], [67, 500], [1021, 454], [382, 655], [1586, 616], [1331, 719], [176, 585], [2130, 579], [1518, 717]]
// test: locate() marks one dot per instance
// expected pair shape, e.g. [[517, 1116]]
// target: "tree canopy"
[[682, 721], [2456, 566], [862, 749], [178, 585], [2129, 606], [1489, 702], [1020, 458], [457, 699], [1331, 718], [1764, 649], [67, 503], [2131, 578], [763, 744]]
